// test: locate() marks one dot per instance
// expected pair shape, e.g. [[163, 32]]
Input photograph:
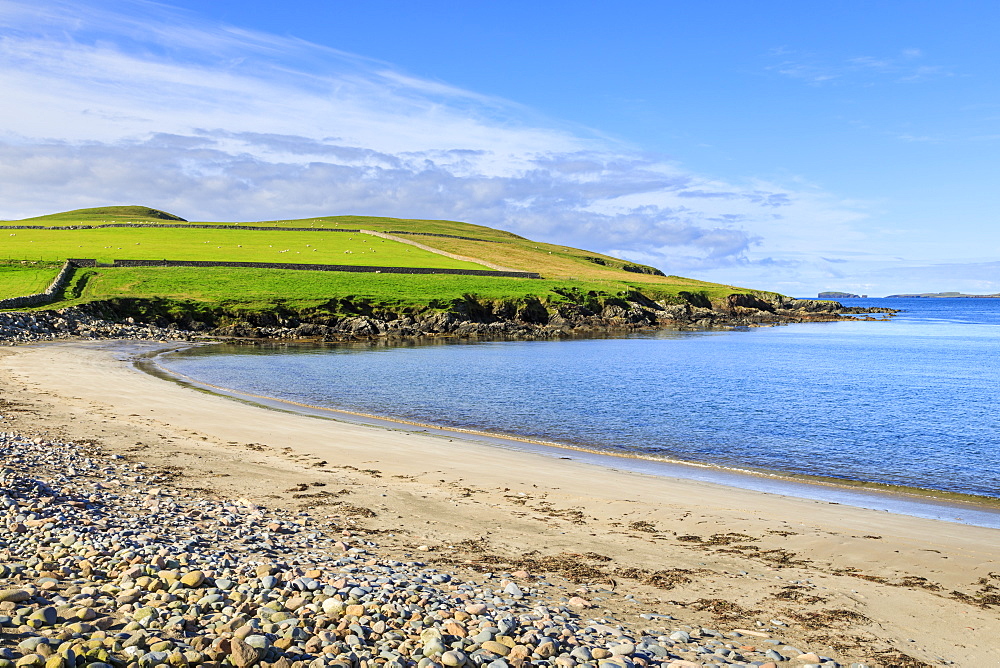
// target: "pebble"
[[14, 595], [624, 649], [140, 575]]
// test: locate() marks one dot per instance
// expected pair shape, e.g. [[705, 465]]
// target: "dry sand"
[[859, 585]]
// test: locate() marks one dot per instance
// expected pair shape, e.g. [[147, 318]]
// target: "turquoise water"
[[911, 401]]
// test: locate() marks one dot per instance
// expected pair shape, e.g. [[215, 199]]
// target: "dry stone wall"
[[41, 297], [235, 226], [309, 267]]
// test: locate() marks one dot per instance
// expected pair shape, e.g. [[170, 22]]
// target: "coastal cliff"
[[578, 314]]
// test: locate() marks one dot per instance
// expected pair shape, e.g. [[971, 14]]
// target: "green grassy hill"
[[103, 214], [30, 257]]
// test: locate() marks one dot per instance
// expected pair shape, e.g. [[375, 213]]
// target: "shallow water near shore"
[[908, 402]]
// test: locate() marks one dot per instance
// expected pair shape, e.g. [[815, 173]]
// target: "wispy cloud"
[[905, 66]]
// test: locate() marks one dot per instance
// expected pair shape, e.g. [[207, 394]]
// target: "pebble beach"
[[106, 566], [143, 523]]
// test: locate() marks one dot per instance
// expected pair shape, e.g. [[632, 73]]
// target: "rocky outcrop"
[[526, 318], [531, 319], [17, 327]]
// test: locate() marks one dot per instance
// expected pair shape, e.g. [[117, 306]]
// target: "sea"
[[909, 402]]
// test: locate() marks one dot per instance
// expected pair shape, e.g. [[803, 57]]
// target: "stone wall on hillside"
[[45, 297], [199, 226], [308, 267]]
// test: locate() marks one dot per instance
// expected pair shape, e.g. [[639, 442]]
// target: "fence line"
[[234, 226]]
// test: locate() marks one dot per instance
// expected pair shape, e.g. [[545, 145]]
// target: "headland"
[[93, 271]]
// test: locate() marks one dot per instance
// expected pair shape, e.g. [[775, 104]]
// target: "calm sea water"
[[912, 401]]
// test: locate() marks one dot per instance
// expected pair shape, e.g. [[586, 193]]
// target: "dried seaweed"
[[824, 619], [728, 539], [799, 594], [781, 557], [572, 515], [669, 578], [689, 539], [722, 608], [644, 526], [571, 565], [897, 659]]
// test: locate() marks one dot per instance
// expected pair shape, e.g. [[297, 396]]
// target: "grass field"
[[259, 289], [256, 289], [105, 245], [17, 280], [563, 269]]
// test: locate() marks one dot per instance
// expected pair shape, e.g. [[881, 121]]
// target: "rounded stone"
[[496, 647], [242, 654], [45, 616], [30, 661], [623, 649], [14, 595], [193, 579], [433, 647], [453, 658]]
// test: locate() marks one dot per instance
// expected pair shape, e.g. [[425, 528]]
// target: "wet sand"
[[927, 503], [861, 584]]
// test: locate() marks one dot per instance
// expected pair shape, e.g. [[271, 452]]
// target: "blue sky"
[[781, 145]]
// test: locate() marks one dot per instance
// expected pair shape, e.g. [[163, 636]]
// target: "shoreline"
[[525, 319], [918, 502], [856, 584]]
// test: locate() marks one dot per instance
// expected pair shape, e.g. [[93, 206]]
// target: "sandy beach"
[[859, 585]]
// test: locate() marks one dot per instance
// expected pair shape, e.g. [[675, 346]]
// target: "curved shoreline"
[[917, 502], [632, 541]]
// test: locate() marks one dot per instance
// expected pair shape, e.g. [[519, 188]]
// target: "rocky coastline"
[[527, 319]]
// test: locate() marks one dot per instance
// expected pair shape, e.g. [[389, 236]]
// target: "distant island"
[[839, 295], [943, 294]]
